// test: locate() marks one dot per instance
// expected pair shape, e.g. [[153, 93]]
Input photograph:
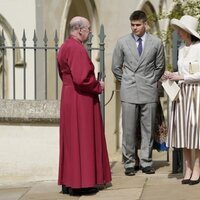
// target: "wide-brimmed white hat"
[[187, 23]]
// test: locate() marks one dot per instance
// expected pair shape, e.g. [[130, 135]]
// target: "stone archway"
[[7, 31], [82, 8], [86, 9], [151, 14]]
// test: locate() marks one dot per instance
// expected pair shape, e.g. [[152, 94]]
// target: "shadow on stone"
[[160, 163]]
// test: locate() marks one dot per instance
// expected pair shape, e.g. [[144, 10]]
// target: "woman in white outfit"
[[184, 128]]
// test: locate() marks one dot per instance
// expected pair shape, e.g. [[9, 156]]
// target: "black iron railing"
[[43, 60]]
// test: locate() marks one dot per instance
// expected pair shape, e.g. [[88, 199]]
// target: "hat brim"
[[176, 22]]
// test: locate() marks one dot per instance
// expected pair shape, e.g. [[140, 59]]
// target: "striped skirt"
[[184, 130]]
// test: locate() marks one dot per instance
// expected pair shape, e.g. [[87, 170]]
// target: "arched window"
[[88, 10], [152, 18], [6, 36]]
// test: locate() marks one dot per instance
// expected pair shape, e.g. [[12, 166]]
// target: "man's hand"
[[102, 85]]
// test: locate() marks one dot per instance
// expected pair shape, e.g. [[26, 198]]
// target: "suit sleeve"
[[117, 61], [82, 71], [160, 61]]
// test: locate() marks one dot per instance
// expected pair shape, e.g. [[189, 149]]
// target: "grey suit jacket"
[[138, 74]]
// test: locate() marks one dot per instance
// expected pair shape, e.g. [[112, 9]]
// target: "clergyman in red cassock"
[[83, 161]]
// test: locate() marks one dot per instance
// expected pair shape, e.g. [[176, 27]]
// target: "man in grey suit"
[[138, 63]]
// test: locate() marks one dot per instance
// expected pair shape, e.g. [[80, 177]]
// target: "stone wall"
[[29, 111], [29, 140]]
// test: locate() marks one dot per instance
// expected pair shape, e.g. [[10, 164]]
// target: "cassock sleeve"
[[59, 70], [82, 71]]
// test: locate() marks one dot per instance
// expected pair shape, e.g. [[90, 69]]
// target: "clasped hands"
[[102, 85], [172, 76]]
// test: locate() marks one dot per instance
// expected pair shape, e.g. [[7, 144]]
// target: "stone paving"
[[162, 185]]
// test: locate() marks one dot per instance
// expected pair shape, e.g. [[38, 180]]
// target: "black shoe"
[[137, 164], [194, 182], [75, 192], [129, 171], [137, 168], [65, 190], [82, 191], [185, 181], [148, 170], [89, 191]]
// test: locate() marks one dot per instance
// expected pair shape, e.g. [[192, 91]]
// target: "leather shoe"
[[148, 170], [185, 181], [194, 182], [137, 168], [137, 164], [75, 192], [65, 190], [82, 191], [87, 191], [129, 171]]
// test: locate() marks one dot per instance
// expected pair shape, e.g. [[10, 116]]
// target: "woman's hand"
[[166, 75], [175, 77]]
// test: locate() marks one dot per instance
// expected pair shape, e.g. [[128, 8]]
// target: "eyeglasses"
[[87, 27]]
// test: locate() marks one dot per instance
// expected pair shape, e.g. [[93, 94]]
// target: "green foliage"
[[178, 10], [169, 67], [181, 7], [184, 7]]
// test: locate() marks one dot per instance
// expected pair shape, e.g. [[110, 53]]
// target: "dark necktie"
[[139, 46]]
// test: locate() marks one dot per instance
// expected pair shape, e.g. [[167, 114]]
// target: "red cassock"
[[83, 152]]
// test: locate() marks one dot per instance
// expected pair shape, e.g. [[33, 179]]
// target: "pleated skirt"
[[184, 120]]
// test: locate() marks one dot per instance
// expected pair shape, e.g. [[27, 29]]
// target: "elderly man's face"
[[85, 31]]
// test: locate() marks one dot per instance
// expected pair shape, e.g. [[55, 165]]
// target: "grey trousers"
[[146, 113]]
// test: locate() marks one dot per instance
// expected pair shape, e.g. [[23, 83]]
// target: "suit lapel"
[[132, 47], [146, 49]]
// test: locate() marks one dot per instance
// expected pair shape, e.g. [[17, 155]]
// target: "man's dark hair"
[[138, 15]]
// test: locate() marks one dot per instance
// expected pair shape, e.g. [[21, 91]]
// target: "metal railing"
[[18, 59], [101, 50], [40, 64], [16, 51]]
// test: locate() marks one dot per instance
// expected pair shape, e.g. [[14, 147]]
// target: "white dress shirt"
[[143, 40]]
